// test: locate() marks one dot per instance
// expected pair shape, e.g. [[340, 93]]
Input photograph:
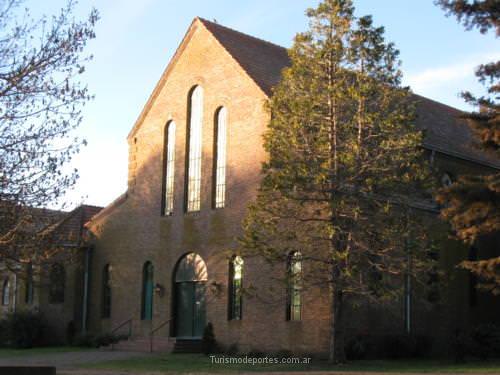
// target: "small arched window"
[[219, 174], [57, 280], [106, 292], [29, 292], [169, 167], [6, 292], [147, 291], [294, 278], [447, 179], [235, 288], [194, 147]]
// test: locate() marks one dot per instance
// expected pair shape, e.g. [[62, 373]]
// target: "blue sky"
[[136, 39]]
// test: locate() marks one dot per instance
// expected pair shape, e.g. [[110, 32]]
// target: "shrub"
[[23, 329], [398, 346], [406, 346], [208, 341], [95, 341], [284, 354], [70, 332], [423, 346], [485, 341], [107, 339], [460, 345], [254, 353], [232, 350], [85, 340], [3, 330], [482, 342], [357, 347]]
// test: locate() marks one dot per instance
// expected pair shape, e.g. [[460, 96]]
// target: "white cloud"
[[436, 77]]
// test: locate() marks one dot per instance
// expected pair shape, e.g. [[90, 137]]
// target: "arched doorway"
[[189, 283]]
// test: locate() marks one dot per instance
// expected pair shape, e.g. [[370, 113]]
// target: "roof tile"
[[263, 61]]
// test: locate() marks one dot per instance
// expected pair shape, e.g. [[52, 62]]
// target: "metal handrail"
[[153, 331], [129, 322]]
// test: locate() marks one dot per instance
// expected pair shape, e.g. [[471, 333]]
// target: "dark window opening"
[[57, 283], [147, 292], [106, 292]]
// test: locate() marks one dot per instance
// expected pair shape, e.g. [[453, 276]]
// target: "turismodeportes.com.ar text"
[[246, 360]]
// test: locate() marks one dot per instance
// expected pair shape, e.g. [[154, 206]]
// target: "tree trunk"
[[337, 352]]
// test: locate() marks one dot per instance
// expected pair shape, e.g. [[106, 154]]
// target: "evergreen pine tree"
[[344, 160], [472, 204]]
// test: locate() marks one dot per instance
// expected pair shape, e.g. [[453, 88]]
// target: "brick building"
[[163, 249], [164, 253], [56, 287]]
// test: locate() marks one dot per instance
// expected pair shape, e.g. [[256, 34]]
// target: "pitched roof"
[[109, 208], [69, 229], [263, 61]]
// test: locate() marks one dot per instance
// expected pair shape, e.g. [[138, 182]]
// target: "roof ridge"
[[203, 20], [439, 103]]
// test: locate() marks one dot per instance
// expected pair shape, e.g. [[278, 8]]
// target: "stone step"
[[143, 344], [188, 346]]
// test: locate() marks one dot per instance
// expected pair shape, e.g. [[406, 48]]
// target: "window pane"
[[294, 269], [29, 285], [236, 288], [170, 165], [194, 162], [220, 165], [5, 293], [106, 292], [57, 284], [147, 292]]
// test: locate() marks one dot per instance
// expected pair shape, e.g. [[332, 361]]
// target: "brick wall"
[[134, 231]]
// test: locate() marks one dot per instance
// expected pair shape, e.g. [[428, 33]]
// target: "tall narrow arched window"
[[194, 147], [169, 168], [29, 291], [235, 288], [57, 280], [294, 276], [220, 137], [6, 292], [106, 292], [147, 292]]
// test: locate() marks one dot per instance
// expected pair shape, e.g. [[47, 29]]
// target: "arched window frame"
[[294, 286], [6, 292], [168, 168], [220, 156], [57, 283], [147, 295], [235, 288], [194, 150], [106, 292], [447, 179], [29, 291]]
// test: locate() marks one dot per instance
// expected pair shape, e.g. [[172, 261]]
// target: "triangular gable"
[[263, 62]]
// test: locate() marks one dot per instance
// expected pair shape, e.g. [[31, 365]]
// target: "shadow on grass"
[[193, 363]]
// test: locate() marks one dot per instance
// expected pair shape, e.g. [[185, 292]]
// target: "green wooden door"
[[191, 309], [199, 310]]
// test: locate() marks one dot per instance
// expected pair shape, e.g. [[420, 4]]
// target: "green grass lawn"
[[5, 353], [182, 363]]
